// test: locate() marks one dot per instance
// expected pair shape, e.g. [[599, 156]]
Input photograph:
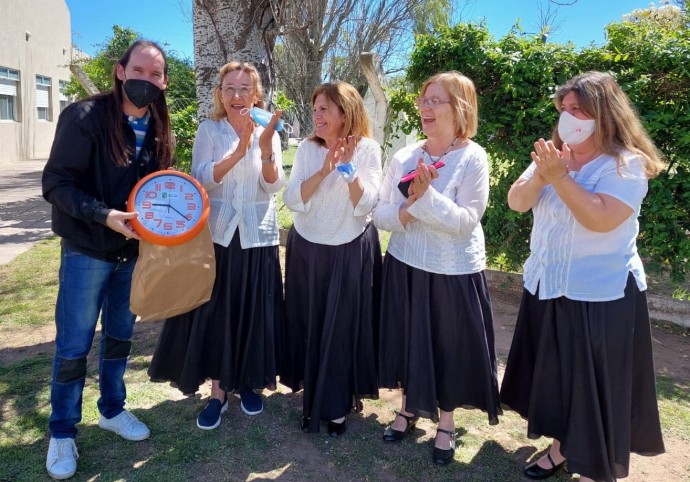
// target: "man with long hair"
[[103, 145]]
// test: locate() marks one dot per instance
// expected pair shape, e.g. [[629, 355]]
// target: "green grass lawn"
[[284, 214], [269, 446]]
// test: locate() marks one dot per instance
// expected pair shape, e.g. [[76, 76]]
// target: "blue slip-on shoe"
[[251, 402], [209, 418]]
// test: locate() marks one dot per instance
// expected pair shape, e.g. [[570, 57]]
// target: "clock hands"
[[178, 212], [163, 205], [169, 206]]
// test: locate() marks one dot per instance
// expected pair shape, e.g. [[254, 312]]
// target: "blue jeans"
[[89, 287]]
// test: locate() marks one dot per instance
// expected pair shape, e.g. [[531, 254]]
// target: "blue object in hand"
[[263, 117], [345, 168], [347, 171]]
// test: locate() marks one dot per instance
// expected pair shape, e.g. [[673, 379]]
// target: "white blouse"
[[567, 259], [329, 216], [242, 199], [446, 235]]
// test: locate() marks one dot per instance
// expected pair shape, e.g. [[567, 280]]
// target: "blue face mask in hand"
[[263, 117], [347, 171]]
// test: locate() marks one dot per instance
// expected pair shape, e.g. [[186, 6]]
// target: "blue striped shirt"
[[140, 125]]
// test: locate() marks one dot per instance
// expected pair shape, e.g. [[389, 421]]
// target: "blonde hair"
[[618, 126], [350, 103], [463, 101], [218, 108]]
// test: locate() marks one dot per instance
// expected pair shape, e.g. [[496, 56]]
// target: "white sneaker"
[[126, 425], [62, 458]]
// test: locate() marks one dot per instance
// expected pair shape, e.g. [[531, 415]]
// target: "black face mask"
[[141, 92]]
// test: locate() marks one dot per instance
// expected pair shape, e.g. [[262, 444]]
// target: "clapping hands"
[[341, 152], [420, 184], [552, 164], [245, 139]]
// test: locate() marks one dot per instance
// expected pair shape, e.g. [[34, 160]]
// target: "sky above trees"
[[169, 21]]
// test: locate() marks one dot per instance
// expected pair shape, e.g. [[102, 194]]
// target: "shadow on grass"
[[268, 446], [673, 390]]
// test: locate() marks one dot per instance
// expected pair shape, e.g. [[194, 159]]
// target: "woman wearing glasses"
[[437, 340], [333, 262], [231, 339]]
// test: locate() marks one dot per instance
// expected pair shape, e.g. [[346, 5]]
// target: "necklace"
[[431, 159]]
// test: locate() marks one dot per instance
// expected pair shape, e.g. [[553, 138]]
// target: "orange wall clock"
[[173, 207]]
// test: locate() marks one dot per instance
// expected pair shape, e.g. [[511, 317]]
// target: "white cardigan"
[[329, 216], [242, 199], [445, 236]]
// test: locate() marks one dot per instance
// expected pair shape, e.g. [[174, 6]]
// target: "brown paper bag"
[[170, 280]]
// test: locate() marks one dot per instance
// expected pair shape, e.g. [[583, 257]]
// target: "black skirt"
[[233, 337], [437, 340], [583, 373], [331, 324]]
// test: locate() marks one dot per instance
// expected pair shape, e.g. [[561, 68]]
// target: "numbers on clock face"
[[168, 205]]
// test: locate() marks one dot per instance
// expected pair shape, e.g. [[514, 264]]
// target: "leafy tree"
[[650, 53], [181, 89], [99, 68], [432, 16], [184, 122], [515, 79]]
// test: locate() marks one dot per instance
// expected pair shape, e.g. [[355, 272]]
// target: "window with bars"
[[9, 92], [43, 97]]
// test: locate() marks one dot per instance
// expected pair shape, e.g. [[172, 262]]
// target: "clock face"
[[173, 207]]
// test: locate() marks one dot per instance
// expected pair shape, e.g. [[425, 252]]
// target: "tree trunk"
[[227, 30]]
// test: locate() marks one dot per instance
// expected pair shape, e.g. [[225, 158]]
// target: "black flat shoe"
[[337, 429], [392, 435], [533, 471], [444, 456], [304, 424]]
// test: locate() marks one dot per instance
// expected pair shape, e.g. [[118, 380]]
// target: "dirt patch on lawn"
[[672, 359], [671, 343]]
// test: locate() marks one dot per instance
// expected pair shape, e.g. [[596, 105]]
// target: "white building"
[[35, 50]]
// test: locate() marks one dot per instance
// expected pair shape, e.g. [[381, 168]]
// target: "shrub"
[[516, 77]]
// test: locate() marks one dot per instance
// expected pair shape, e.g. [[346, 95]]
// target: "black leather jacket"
[[83, 183]]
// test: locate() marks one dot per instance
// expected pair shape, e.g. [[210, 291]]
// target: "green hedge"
[[516, 78]]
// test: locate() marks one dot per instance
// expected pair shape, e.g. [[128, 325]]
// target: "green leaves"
[[184, 123]]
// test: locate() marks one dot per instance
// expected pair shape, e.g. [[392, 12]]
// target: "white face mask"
[[572, 130]]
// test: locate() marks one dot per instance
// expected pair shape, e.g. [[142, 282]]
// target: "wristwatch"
[[270, 159]]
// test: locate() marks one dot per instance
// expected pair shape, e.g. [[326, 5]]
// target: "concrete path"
[[24, 214]]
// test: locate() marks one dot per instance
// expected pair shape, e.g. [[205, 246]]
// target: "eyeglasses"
[[431, 102], [231, 91]]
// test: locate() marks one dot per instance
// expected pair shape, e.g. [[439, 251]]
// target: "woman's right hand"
[[220, 169], [552, 164], [403, 213], [332, 157], [245, 139]]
